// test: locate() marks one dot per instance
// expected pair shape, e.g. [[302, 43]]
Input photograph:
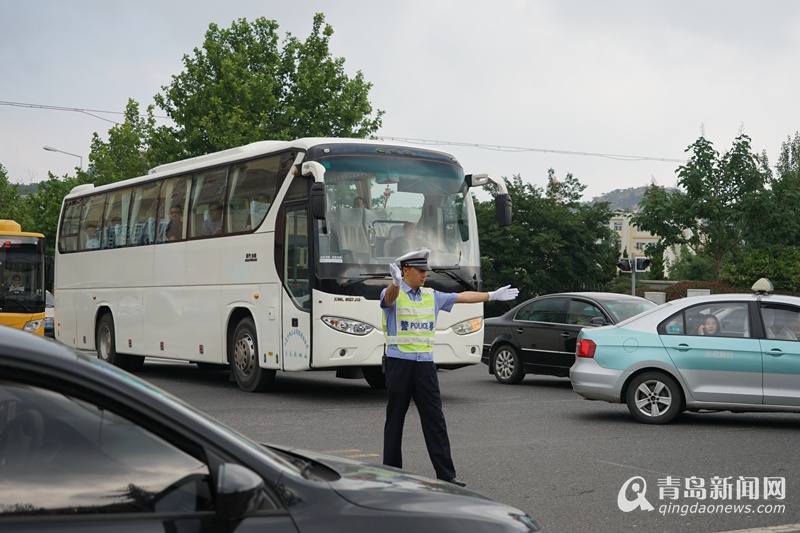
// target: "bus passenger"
[[174, 230], [92, 240], [213, 226], [359, 202]]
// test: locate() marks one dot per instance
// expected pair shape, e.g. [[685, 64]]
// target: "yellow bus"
[[22, 281]]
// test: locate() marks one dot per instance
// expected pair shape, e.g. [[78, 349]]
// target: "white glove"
[[504, 293], [397, 274]]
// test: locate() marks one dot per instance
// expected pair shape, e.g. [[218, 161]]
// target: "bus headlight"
[[468, 326], [346, 325], [33, 325]]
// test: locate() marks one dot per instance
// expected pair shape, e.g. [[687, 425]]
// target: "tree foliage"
[[555, 243], [9, 197], [125, 154], [719, 199], [243, 87]]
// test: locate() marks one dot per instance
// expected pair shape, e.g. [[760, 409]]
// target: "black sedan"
[[84, 446], [538, 336]]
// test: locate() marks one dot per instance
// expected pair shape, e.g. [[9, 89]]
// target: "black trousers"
[[411, 379]]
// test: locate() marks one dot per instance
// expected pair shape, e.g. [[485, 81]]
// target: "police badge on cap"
[[415, 259]]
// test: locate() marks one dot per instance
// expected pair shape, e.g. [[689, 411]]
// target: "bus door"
[[296, 293]]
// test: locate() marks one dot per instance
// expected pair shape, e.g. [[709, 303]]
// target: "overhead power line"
[[90, 112], [499, 148]]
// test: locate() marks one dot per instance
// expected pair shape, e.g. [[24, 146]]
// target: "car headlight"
[[346, 325], [33, 325], [468, 326]]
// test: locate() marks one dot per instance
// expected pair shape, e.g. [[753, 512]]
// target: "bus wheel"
[[106, 347], [243, 354], [374, 376], [104, 342]]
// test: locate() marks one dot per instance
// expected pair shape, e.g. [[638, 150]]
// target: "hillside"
[[624, 199]]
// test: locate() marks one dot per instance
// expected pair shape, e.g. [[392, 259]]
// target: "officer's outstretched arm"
[[390, 296], [502, 294]]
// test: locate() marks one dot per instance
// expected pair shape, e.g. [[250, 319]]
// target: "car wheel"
[[243, 354], [654, 398], [374, 376], [507, 365]]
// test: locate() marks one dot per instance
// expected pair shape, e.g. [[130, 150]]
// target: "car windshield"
[[625, 309]]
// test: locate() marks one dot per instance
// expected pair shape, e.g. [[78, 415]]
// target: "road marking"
[[787, 528]]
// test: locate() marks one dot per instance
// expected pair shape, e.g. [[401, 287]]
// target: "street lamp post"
[[51, 149]]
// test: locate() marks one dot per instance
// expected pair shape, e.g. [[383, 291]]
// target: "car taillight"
[[585, 348]]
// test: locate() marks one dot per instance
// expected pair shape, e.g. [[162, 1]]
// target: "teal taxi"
[[723, 352]]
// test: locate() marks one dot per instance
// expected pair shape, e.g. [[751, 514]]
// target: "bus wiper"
[[449, 273], [365, 277]]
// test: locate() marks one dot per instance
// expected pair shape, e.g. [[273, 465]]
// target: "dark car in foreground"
[[85, 446], [538, 336]]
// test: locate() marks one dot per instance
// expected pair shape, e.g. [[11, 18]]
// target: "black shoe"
[[455, 481]]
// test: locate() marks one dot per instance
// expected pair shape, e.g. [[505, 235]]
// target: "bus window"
[[253, 189], [69, 232], [295, 276], [143, 214], [92, 222], [172, 207], [118, 205], [208, 203]]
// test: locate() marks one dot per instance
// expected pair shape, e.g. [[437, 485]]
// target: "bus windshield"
[[21, 274], [382, 206]]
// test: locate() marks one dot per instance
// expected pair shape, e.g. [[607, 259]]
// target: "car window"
[[623, 310], [62, 455], [582, 312], [544, 310], [722, 319], [780, 322]]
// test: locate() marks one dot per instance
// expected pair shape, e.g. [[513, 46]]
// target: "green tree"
[[243, 87], [718, 199], [779, 223], [772, 247], [689, 266], [125, 154], [9, 197], [656, 256], [42, 208], [555, 243], [781, 264]]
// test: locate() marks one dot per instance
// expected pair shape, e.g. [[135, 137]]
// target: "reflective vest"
[[415, 323]]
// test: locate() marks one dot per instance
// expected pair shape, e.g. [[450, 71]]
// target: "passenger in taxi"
[[710, 326]]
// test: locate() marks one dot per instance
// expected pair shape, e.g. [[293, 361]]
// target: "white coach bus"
[[255, 257]]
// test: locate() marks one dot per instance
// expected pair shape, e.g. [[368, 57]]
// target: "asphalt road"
[[537, 446]]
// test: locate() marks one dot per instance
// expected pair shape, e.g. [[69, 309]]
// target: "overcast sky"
[[620, 78]]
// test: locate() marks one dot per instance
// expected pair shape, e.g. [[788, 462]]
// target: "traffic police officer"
[[409, 323]]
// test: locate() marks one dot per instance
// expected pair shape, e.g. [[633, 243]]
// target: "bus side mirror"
[[503, 207], [318, 204]]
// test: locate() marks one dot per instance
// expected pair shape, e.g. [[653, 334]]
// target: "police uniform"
[[409, 326]]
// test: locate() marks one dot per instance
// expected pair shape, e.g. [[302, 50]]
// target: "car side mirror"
[[240, 491], [599, 321]]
